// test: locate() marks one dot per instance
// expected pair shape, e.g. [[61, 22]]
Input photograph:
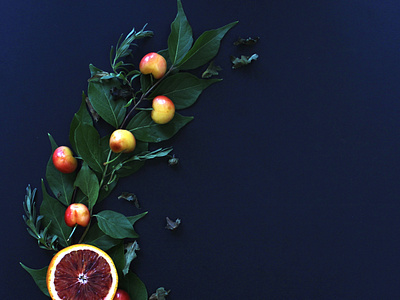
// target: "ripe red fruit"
[[77, 213], [121, 295], [63, 160]]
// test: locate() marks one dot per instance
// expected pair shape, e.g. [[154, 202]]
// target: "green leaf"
[[115, 225], [183, 88], [144, 129], [124, 168], [122, 50], [87, 140], [165, 53], [133, 219], [53, 213], [104, 192], [130, 255], [39, 276], [117, 255], [180, 39], [242, 61], [88, 183], [111, 110], [96, 73], [205, 48], [212, 70], [134, 286], [81, 116], [61, 184], [97, 238], [146, 81]]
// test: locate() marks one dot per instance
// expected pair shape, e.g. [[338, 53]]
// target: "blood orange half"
[[82, 272]]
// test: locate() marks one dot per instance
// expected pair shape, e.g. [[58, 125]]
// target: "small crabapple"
[[153, 63], [63, 160], [77, 213], [121, 295], [163, 110], [122, 140]]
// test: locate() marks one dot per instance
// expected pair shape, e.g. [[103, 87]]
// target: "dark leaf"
[[53, 216], [130, 197], [122, 50], [39, 276], [96, 73], [182, 88], [130, 255], [172, 225], [61, 184], [87, 141], [165, 54], [144, 129], [180, 39], [88, 183], [115, 224], [110, 110], [133, 286], [97, 238], [117, 253], [242, 61], [134, 219], [173, 161], [160, 294], [248, 42], [146, 82], [205, 48], [81, 116], [212, 70]]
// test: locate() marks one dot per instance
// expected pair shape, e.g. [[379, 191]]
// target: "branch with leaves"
[[116, 99]]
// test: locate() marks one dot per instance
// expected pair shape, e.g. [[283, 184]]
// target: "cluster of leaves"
[[244, 60], [120, 98]]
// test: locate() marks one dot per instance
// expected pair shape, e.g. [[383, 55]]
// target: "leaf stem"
[[144, 95]]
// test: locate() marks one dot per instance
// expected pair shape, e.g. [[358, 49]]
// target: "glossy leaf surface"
[[144, 129], [53, 213], [115, 224], [182, 88], [61, 184], [205, 48], [88, 183], [110, 110], [180, 39]]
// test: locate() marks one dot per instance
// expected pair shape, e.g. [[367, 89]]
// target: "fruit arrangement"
[[138, 108]]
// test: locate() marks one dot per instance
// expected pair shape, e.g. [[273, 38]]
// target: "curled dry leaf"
[[172, 225], [130, 197], [173, 161], [160, 294], [242, 61], [212, 70], [248, 42]]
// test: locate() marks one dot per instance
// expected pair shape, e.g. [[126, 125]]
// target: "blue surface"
[[288, 179]]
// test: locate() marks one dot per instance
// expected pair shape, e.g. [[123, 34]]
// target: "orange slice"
[[82, 272]]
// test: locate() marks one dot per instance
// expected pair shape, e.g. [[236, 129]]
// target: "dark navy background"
[[287, 185]]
